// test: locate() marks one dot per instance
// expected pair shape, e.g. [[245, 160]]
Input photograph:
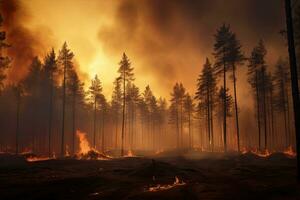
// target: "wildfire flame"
[[159, 187], [290, 152], [129, 154], [84, 146]]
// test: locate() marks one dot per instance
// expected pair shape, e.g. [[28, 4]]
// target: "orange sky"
[[167, 41]]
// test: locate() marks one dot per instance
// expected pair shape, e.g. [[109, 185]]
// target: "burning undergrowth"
[[86, 151]]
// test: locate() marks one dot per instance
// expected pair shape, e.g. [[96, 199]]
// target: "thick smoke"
[[25, 43], [170, 39]]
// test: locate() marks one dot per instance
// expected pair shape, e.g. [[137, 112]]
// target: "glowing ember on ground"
[[167, 187], [35, 159], [290, 152], [129, 154], [67, 153], [159, 151]]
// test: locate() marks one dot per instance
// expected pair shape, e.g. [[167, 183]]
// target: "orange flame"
[[159, 187], [290, 152], [84, 146]]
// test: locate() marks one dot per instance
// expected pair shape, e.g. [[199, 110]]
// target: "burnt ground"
[[207, 176]]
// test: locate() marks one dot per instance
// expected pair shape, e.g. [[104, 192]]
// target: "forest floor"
[[201, 176]]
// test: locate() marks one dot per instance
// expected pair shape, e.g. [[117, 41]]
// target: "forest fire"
[[192, 91], [290, 152], [86, 152], [159, 187]]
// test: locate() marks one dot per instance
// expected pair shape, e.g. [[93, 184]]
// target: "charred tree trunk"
[[62, 153], [225, 107], [123, 114], [236, 110], [50, 116], [18, 121], [258, 110], [294, 78], [73, 123], [95, 115]]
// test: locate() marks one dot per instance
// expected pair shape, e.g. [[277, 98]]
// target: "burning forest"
[[149, 99]]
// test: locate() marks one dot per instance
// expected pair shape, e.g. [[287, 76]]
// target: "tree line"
[[43, 111]]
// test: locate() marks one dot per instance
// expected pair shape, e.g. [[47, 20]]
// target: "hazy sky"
[[166, 40]]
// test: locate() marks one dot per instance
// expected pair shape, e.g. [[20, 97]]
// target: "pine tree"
[[65, 60], [189, 108], [116, 104], [50, 69], [95, 94], [205, 94], [236, 58], [177, 98], [75, 90], [222, 53], [255, 67], [222, 97], [281, 83], [126, 75], [19, 92]]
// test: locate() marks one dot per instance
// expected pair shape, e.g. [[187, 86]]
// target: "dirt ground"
[[201, 176]]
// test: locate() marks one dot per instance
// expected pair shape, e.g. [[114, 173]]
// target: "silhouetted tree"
[[126, 76], [294, 77], [189, 108], [256, 63], [222, 53], [281, 77], [75, 89], [222, 97], [95, 94], [236, 58], [65, 60], [19, 91], [205, 94], [177, 98], [116, 104], [50, 69]]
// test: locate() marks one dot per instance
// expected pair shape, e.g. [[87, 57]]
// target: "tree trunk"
[[265, 109], [73, 123], [236, 110], [18, 122], [258, 110], [50, 116], [95, 115], [62, 153], [123, 114], [294, 78], [225, 107]]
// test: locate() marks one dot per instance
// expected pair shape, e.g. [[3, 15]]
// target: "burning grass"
[[160, 187]]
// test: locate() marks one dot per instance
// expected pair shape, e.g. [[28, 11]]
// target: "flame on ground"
[[84, 146], [35, 159], [159, 187], [290, 152], [129, 154]]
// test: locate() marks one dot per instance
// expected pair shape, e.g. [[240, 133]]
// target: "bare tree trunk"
[[95, 115], [258, 111], [62, 153], [50, 116], [225, 107], [294, 78], [73, 123], [18, 122], [265, 110], [123, 114], [116, 139], [236, 110]]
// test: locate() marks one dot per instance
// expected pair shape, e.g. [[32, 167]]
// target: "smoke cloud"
[[25, 43], [170, 39]]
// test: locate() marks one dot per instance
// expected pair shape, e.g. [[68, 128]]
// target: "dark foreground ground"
[[207, 176]]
